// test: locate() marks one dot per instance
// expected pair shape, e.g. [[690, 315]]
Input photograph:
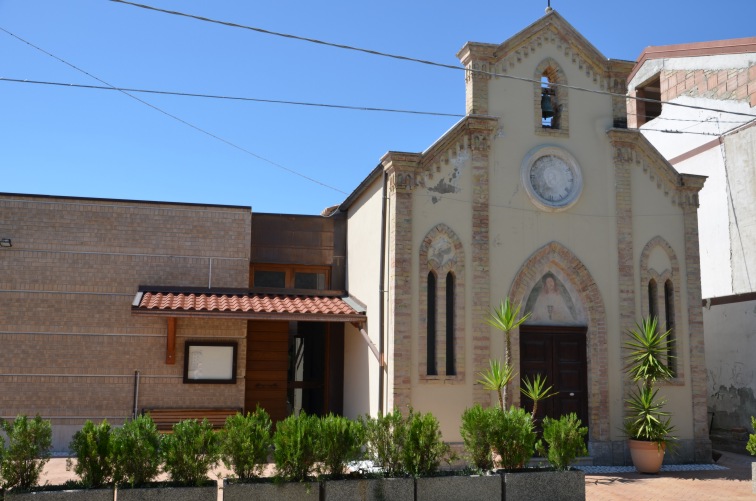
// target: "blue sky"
[[96, 143]]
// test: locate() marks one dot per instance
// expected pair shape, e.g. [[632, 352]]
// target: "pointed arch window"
[[441, 329], [551, 104], [431, 325], [669, 313], [653, 306], [450, 325]]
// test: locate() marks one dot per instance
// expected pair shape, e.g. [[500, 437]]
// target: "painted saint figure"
[[550, 305]]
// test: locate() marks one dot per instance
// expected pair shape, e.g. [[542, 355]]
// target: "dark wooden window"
[[669, 309], [450, 369], [431, 334], [290, 277]]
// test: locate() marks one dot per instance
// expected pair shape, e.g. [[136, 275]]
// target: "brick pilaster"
[[480, 131], [401, 169], [695, 327]]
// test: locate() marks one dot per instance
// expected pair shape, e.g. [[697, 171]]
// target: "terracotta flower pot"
[[647, 456]]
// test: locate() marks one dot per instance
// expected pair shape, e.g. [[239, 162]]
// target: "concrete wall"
[[361, 369], [70, 343], [730, 351]]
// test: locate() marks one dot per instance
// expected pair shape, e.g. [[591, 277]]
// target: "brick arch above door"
[[556, 257]]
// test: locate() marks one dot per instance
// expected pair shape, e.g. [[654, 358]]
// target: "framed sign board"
[[209, 362]]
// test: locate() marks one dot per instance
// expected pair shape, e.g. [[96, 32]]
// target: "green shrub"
[[190, 451], [751, 446], [136, 451], [93, 448], [296, 446], [424, 447], [513, 437], [385, 437], [245, 443], [340, 441], [476, 435], [29, 443], [566, 440]]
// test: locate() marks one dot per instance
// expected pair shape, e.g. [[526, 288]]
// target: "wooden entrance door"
[[267, 367], [559, 353]]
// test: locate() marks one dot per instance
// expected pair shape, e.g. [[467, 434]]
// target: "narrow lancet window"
[[431, 334], [450, 368]]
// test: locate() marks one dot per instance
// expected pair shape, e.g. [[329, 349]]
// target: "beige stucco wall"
[[361, 369], [70, 342]]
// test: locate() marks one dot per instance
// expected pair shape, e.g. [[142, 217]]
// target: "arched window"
[[450, 367], [669, 313], [653, 307], [441, 304], [431, 325], [551, 106]]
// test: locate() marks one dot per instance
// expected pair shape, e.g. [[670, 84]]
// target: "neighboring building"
[[709, 76], [539, 194]]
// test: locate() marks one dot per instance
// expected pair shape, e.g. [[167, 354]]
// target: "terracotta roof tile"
[[254, 304]]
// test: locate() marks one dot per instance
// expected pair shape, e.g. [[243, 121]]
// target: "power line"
[[203, 131], [322, 105], [416, 60], [233, 98]]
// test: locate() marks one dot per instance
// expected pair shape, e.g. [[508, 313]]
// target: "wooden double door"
[[559, 354]]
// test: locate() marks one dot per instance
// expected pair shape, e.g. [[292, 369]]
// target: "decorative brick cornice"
[[632, 149], [401, 169]]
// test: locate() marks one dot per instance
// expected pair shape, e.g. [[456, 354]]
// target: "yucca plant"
[[536, 391], [647, 357], [497, 378], [506, 318]]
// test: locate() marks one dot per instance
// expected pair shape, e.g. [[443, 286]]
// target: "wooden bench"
[[165, 418]]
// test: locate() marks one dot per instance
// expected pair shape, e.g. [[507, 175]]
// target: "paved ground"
[[733, 484]]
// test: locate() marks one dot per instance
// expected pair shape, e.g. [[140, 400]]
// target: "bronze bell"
[[547, 109]]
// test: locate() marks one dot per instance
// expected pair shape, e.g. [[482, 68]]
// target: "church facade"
[[571, 215]]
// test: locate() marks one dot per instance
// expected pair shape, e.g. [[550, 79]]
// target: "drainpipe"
[[381, 302], [136, 394]]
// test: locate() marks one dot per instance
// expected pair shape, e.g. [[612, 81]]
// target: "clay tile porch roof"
[[318, 306]]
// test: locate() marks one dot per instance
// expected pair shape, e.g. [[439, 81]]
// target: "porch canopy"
[[256, 304]]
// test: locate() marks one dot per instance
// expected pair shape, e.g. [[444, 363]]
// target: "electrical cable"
[[416, 60], [203, 131], [233, 98]]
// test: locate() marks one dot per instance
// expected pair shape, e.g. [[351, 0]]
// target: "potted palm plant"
[[648, 427]]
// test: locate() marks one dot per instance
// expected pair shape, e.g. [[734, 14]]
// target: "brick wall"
[[70, 345]]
